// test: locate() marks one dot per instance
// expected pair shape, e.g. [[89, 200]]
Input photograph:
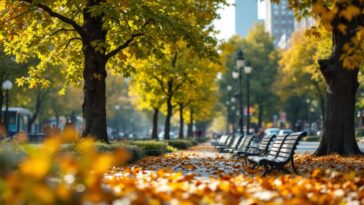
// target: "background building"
[[246, 14], [304, 23], [279, 22]]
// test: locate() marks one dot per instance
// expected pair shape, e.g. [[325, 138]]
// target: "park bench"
[[280, 154], [227, 143], [233, 145], [221, 141], [261, 150], [243, 145]]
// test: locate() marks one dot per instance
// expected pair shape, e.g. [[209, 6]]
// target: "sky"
[[226, 25]]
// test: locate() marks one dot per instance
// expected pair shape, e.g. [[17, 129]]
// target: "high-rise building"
[[246, 15], [304, 23], [279, 22]]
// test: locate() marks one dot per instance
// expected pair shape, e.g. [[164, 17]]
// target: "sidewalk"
[[202, 161], [203, 176]]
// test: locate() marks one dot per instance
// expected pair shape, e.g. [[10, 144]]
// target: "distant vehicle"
[[285, 131], [18, 119], [132, 136], [172, 135], [271, 131]]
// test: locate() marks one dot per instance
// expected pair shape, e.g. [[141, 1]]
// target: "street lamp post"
[[233, 118], [309, 115], [7, 85], [228, 117], [240, 62], [117, 109], [228, 104], [248, 69]]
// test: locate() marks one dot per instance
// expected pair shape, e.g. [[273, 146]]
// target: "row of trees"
[[87, 37], [182, 81]]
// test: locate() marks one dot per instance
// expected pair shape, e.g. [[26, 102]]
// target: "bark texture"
[[190, 125], [2, 78], [342, 84], [155, 123], [167, 125], [181, 122], [94, 74], [260, 114], [41, 96]]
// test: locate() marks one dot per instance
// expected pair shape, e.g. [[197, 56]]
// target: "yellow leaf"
[[342, 28], [37, 166], [349, 12]]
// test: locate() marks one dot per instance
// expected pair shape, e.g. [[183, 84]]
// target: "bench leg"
[[293, 167], [266, 170], [283, 169], [253, 165], [245, 162]]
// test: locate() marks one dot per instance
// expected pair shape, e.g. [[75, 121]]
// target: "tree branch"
[[69, 41], [131, 39], [65, 19], [16, 16], [124, 45], [161, 84]]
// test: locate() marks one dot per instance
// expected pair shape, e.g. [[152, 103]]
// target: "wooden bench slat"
[[281, 152]]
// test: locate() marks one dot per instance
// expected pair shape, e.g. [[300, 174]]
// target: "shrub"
[[10, 156], [201, 139], [104, 147], [194, 142], [171, 149], [135, 152], [180, 144], [151, 148]]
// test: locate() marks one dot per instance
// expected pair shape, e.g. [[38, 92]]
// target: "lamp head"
[[7, 85], [240, 61], [248, 68], [235, 74]]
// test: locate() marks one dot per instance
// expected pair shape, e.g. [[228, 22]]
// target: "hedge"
[[151, 148], [180, 144]]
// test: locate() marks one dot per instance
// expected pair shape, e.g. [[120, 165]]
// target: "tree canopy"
[[90, 36]]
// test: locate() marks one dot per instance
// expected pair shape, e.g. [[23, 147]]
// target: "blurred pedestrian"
[[47, 130]]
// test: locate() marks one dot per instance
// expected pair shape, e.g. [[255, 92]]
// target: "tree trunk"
[[228, 120], [260, 114], [181, 122], [1, 97], [321, 96], [155, 123], [57, 120], [1, 104], [38, 104], [339, 132], [94, 74], [190, 125], [167, 125]]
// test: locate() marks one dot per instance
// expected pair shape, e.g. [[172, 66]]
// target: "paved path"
[[203, 176]]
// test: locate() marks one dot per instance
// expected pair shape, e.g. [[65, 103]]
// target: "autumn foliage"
[[49, 175]]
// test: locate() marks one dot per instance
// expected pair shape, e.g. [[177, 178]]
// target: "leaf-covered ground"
[[202, 176]]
